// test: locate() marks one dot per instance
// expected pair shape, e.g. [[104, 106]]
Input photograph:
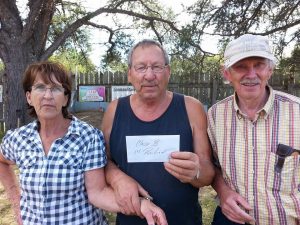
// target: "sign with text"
[[121, 91], [91, 93]]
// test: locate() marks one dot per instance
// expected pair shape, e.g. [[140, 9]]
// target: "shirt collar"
[[31, 129], [263, 112], [74, 127]]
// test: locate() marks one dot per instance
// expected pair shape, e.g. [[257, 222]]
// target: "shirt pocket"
[[27, 159], [68, 166], [71, 159], [288, 180], [29, 168]]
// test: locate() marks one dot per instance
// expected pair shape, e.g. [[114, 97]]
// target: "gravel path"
[[92, 117]]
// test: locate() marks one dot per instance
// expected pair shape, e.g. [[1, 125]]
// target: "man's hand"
[[234, 205], [127, 192], [184, 166]]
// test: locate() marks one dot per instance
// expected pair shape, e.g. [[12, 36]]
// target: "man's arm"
[[195, 168], [11, 186], [102, 196], [126, 189], [230, 201], [233, 205]]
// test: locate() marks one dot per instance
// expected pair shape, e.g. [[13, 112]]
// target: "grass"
[[208, 204], [6, 215], [206, 197]]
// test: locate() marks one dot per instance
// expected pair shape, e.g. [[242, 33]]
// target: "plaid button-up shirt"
[[52, 186], [246, 152]]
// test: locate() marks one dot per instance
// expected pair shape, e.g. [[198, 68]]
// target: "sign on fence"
[[121, 91], [91, 93]]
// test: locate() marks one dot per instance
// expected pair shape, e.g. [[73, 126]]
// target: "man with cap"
[[255, 136]]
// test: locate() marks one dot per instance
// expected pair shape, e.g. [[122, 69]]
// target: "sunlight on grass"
[[208, 204], [6, 215]]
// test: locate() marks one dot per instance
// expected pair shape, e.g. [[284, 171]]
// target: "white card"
[[151, 148]]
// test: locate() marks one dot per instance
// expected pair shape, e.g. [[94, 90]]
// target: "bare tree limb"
[[73, 27]]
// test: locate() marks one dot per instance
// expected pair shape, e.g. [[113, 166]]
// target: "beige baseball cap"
[[245, 46]]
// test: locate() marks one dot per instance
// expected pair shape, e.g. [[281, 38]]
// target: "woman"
[[60, 159]]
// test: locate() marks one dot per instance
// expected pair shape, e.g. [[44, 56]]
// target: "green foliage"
[[78, 45], [74, 53], [116, 66], [293, 62], [1, 66], [290, 67], [225, 20], [115, 59], [123, 36], [1, 135], [228, 19], [182, 67], [74, 61], [208, 204]]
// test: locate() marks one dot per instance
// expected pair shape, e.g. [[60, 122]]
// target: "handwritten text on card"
[[151, 148]]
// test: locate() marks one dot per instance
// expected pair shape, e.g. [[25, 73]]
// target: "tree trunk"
[[15, 108]]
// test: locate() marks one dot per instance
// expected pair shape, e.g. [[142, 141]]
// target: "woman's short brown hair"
[[48, 70]]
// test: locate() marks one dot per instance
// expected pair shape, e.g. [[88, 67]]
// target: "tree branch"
[[281, 28], [78, 23], [111, 33], [155, 31], [32, 19], [11, 24]]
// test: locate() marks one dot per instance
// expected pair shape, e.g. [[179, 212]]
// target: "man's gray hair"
[[147, 42], [271, 64]]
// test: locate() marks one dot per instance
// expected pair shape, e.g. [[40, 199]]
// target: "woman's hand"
[[152, 213]]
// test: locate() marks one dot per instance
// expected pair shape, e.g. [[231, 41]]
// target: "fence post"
[[214, 91]]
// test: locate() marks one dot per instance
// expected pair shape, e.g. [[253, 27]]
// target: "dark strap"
[[283, 151]]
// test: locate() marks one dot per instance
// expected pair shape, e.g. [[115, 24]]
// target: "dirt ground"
[[92, 117]]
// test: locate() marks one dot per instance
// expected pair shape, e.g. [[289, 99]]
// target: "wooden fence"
[[208, 88]]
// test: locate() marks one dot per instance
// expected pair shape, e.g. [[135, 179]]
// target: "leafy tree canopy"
[[74, 62]]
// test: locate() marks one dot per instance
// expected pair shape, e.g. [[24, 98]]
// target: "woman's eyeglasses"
[[41, 89]]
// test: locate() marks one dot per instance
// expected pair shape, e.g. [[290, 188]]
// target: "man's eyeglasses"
[[154, 68], [41, 89]]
